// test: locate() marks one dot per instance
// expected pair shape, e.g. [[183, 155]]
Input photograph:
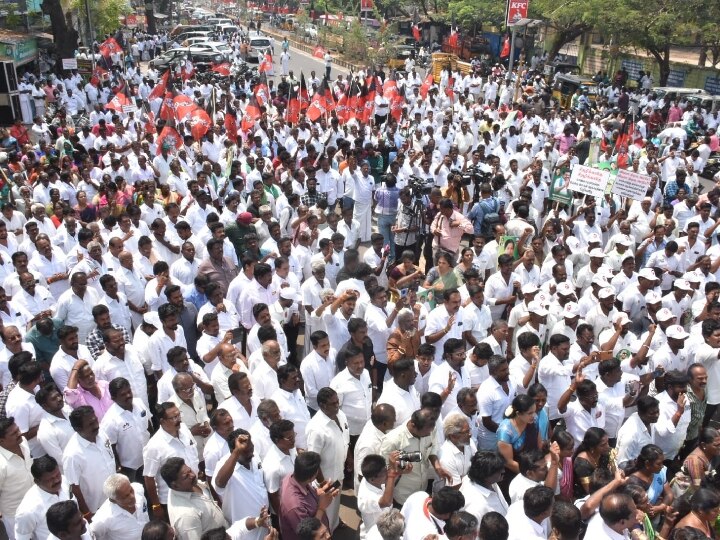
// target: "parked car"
[[199, 58], [258, 46], [310, 30]]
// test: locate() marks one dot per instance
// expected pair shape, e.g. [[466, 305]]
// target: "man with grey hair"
[[458, 449], [193, 411], [268, 413], [389, 526], [93, 265], [265, 375], [124, 513]]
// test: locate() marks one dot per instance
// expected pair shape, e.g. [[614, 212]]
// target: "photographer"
[[484, 211], [456, 191], [407, 224], [417, 439]]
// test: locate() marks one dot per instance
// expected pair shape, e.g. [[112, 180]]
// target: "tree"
[[652, 25], [64, 35], [471, 13]]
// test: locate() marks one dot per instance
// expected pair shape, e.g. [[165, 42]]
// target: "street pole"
[[512, 49], [90, 26]]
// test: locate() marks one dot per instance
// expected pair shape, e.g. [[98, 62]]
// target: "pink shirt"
[[79, 396]]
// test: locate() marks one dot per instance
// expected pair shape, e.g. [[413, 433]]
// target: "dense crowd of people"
[[213, 335]]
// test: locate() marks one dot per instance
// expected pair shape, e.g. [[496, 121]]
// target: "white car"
[[311, 31], [258, 46]]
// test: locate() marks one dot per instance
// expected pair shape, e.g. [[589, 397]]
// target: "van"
[[671, 93]]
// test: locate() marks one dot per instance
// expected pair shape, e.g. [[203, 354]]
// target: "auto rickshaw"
[[566, 85]]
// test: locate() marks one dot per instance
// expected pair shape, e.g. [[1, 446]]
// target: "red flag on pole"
[[319, 52], [252, 113], [425, 86], [293, 108], [416, 32], [167, 109], [304, 95], [109, 46], [396, 104], [183, 107], [454, 38], [222, 69], [262, 91], [150, 122], [267, 64], [117, 102], [169, 136], [318, 107], [160, 87], [505, 52], [200, 123]]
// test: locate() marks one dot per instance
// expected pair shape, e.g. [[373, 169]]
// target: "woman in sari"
[[650, 473], [518, 431], [697, 465], [593, 453]]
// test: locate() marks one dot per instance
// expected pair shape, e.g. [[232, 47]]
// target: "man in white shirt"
[[124, 513], [450, 376], [529, 519], [425, 515], [400, 391], [494, 396], [444, 322], [675, 413], [618, 516], [354, 389], [638, 430], [318, 367]]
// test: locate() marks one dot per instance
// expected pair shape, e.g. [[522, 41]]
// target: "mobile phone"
[[605, 355], [237, 334], [336, 484], [403, 293], [658, 373]]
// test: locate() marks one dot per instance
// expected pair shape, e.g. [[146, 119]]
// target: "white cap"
[[652, 298], [622, 318], [573, 243], [565, 289], [597, 252], [606, 292], [683, 285], [151, 317], [624, 240], [529, 288], [594, 238], [676, 332], [537, 309], [289, 293], [626, 256], [600, 280], [571, 310], [664, 315], [648, 273], [692, 277]]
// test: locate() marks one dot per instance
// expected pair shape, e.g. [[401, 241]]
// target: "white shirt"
[[111, 522], [128, 431], [331, 441], [524, 528], [76, 311], [439, 380], [108, 367], [578, 420], [368, 497], [492, 402], [62, 363], [215, 448], [437, 320], [30, 522], [22, 406], [378, 330], [293, 407], [556, 378], [240, 416], [405, 402], [480, 500], [87, 465], [670, 437], [317, 372], [633, 435], [277, 465], [419, 523], [162, 446], [355, 398], [15, 478], [54, 434], [456, 461], [160, 343], [245, 493]]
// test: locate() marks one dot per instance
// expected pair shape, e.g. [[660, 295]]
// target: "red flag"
[[318, 107], [150, 122], [396, 104], [167, 109], [169, 136], [390, 89], [160, 87], [222, 69], [252, 113], [110, 46], [326, 93], [183, 107], [188, 70], [266, 65], [505, 52], [304, 95], [416, 32], [453, 39], [99, 74], [293, 107], [200, 123], [450, 88], [425, 87], [117, 102], [231, 128], [262, 91], [342, 109], [319, 52]]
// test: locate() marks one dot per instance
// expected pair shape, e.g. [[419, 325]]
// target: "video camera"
[[474, 175]]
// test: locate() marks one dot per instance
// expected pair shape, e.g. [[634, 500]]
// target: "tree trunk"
[[563, 37], [702, 57], [64, 35], [663, 59], [150, 18]]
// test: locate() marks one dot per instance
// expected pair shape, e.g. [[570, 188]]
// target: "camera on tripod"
[[474, 175], [419, 187]]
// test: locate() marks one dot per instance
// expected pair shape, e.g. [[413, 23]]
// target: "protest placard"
[[631, 184], [69, 63], [588, 180]]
